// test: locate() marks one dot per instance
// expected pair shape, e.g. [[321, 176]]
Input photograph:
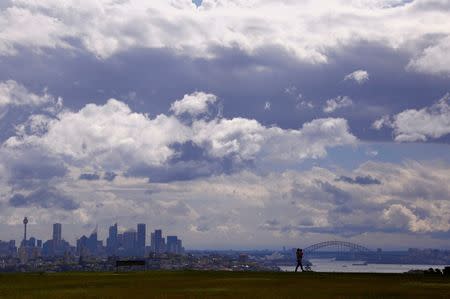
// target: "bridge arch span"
[[339, 244]]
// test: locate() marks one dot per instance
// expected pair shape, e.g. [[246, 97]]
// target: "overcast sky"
[[231, 123]]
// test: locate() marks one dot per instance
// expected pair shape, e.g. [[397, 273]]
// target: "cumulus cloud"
[[400, 217], [240, 137], [247, 139], [434, 59], [384, 121], [413, 198], [110, 136], [107, 27], [23, 27], [114, 138], [337, 103], [410, 202], [419, 125], [44, 198], [194, 104], [311, 141], [15, 94], [359, 76]]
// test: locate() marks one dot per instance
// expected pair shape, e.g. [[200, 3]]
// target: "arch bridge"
[[341, 246]]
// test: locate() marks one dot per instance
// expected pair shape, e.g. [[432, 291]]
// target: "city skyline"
[[119, 243], [148, 238], [236, 124]]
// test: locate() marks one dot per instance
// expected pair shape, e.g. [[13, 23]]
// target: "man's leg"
[[296, 268], [301, 266]]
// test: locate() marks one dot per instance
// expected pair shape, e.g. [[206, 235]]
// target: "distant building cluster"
[[130, 243]]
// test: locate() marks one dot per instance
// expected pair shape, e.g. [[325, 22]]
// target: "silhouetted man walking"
[[299, 255]]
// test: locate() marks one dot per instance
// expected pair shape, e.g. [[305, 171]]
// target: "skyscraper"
[[180, 249], [57, 232], [129, 242], [172, 244], [152, 242], [158, 241], [140, 242], [111, 242], [89, 246]]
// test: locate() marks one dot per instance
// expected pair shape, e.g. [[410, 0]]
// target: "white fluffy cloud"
[[22, 27], [398, 216], [419, 125], [111, 137], [301, 28], [247, 139], [108, 136], [337, 103], [238, 137], [194, 104], [434, 59], [410, 197], [15, 94], [359, 76], [311, 141]]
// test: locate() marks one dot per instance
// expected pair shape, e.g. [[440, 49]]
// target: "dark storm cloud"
[[339, 196], [44, 198], [109, 176], [89, 177], [359, 180], [191, 162], [31, 167], [179, 171]]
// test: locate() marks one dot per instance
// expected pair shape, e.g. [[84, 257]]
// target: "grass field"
[[222, 285]]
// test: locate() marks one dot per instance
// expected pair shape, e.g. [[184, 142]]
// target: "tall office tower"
[[111, 242], [129, 242], [57, 232], [159, 246], [25, 222], [172, 244], [180, 249], [39, 243], [92, 242], [119, 240], [140, 242], [152, 242]]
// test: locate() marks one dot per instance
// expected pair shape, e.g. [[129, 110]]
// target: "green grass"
[[221, 285]]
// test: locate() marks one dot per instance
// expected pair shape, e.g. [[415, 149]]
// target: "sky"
[[231, 123]]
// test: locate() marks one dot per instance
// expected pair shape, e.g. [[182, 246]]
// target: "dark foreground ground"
[[222, 285]]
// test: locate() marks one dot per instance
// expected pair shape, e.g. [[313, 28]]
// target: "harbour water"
[[331, 265]]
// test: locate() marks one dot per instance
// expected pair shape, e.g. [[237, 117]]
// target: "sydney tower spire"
[[25, 222]]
